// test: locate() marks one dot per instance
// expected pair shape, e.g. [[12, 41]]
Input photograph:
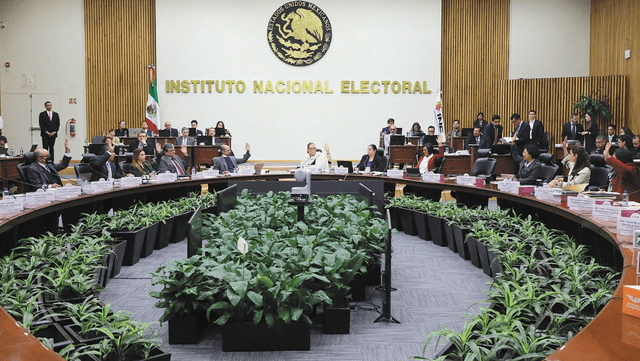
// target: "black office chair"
[[484, 153], [544, 143], [125, 165], [548, 169], [86, 157], [82, 168], [483, 168], [95, 148], [28, 159], [599, 173], [441, 166], [380, 153]]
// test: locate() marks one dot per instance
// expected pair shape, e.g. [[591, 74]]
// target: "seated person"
[[122, 130], [313, 157], [228, 163], [194, 124], [372, 160], [185, 139], [577, 161], [3, 141], [40, 172], [142, 143], [474, 138], [626, 176], [455, 130], [104, 166], [145, 129], [386, 130], [431, 130], [635, 150], [140, 166], [220, 125], [168, 131], [416, 130], [170, 162], [530, 167], [387, 138], [601, 141], [611, 134], [428, 160], [211, 132]]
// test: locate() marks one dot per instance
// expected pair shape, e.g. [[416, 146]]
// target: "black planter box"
[[358, 289], [164, 233], [459, 235], [54, 331], [149, 240], [448, 232], [374, 270], [422, 224], [180, 227], [494, 262], [472, 245], [395, 218], [117, 256], [436, 230], [484, 258], [91, 338], [406, 218], [245, 336], [336, 320], [109, 259], [187, 329], [135, 241]]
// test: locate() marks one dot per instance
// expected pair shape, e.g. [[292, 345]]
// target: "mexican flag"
[[152, 114]]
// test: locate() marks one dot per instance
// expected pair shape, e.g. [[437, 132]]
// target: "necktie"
[[109, 172], [477, 140], [495, 135], [49, 116], [178, 166], [573, 131]]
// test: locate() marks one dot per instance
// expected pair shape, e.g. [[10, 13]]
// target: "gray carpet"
[[433, 284]]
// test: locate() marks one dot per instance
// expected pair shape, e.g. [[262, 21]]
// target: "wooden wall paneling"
[[120, 42], [614, 29]]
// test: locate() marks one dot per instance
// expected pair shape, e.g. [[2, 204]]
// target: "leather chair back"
[[544, 143], [82, 168], [484, 167], [86, 157], [28, 159], [380, 153], [546, 158], [548, 171], [599, 176], [597, 160], [484, 153]]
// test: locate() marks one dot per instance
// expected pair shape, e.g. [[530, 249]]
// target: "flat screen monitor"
[[430, 139], [164, 133], [206, 139], [501, 149], [194, 237], [193, 132], [220, 132], [399, 131], [466, 132], [396, 140], [33, 147], [347, 164]]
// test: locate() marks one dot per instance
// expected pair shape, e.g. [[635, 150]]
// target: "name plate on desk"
[[97, 187], [544, 192], [606, 211], [37, 198], [626, 225], [509, 186], [342, 171], [247, 171], [67, 192], [128, 182], [166, 177], [210, 173], [11, 205], [581, 203], [395, 173], [466, 180], [433, 177]]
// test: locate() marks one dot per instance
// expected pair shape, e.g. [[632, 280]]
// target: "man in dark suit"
[[536, 129], [40, 172], [520, 132], [170, 162], [529, 166], [194, 124], [168, 131], [572, 129], [611, 134], [103, 166], [143, 143], [185, 139], [228, 163], [474, 138], [492, 133], [49, 126]]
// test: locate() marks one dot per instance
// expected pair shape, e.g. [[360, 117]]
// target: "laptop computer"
[[33, 147], [397, 140], [258, 167], [413, 172], [164, 133], [399, 130], [206, 139], [133, 132], [220, 132], [430, 139], [501, 149], [347, 164], [193, 132]]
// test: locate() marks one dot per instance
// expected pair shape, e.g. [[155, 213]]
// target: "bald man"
[[227, 163], [40, 172]]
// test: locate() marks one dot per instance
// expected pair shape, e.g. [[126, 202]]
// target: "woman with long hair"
[[416, 130], [140, 166], [372, 160], [577, 161], [590, 132]]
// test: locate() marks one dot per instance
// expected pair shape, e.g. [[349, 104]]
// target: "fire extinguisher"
[[72, 127]]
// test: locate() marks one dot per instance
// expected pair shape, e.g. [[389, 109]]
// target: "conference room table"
[[611, 335]]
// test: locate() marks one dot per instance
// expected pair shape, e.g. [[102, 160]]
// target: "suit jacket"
[[47, 125], [37, 175], [523, 136], [536, 134], [149, 149], [99, 167], [487, 138], [615, 138], [220, 164], [590, 139], [166, 164], [526, 175], [173, 133], [190, 140], [472, 140], [566, 131], [482, 125], [377, 164]]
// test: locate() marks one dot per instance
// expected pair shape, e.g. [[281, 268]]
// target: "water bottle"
[[5, 194], [625, 198], [545, 184], [193, 171], [11, 152], [21, 151], [44, 186]]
